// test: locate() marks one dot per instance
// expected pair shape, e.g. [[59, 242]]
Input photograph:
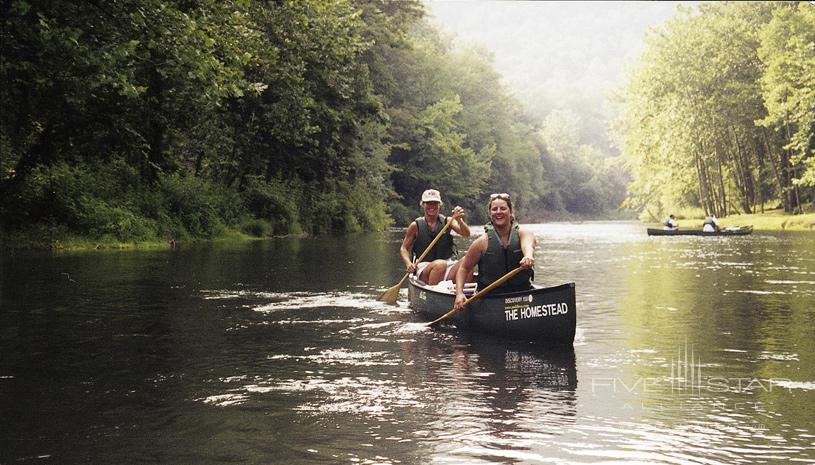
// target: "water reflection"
[[490, 400], [277, 352]]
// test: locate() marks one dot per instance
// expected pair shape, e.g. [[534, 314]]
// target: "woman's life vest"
[[444, 248], [498, 261]]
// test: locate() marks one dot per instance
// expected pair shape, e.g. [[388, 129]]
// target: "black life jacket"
[[444, 248], [498, 261]]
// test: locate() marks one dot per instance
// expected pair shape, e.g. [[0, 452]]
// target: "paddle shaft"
[[479, 294]]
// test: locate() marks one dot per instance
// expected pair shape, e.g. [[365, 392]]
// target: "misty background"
[[568, 56]]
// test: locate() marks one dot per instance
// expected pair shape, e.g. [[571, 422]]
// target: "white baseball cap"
[[431, 195]]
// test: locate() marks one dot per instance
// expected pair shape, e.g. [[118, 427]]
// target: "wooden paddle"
[[392, 294], [478, 295]]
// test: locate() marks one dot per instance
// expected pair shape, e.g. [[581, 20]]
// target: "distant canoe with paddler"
[[546, 315], [735, 231]]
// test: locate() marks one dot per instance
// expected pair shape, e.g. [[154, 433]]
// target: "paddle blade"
[[391, 295]]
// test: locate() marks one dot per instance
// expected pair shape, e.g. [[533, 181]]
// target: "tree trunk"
[[703, 191], [743, 165], [199, 160], [760, 162], [155, 127], [797, 197], [723, 191], [777, 167], [789, 175]]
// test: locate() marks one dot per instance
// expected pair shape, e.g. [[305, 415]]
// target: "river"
[[688, 350]]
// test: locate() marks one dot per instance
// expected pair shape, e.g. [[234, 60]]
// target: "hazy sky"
[[554, 47]]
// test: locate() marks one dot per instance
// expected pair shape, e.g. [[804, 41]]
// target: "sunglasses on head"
[[502, 196]]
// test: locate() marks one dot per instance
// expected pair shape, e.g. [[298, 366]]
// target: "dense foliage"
[[185, 117], [133, 120], [721, 112], [140, 120]]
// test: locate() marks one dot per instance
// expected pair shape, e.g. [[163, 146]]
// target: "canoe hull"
[[546, 315], [743, 231]]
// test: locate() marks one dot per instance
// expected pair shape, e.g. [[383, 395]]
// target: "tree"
[[788, 86], [690, 136]]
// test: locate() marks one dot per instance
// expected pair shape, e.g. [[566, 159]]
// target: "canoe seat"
[[449, 287]]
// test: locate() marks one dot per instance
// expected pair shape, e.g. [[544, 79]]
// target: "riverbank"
[[773, 220], [44, 239]]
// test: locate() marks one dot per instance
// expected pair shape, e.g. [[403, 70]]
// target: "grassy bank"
[[56, 238], [770, 220], [42, 238]]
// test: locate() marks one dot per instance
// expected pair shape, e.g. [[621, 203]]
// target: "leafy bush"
[[257, 227], [200, 207], [91, 200], [403, 215], [344, 209], [274, 202], [98, 218]]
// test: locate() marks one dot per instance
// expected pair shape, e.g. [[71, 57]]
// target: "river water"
[[688, 350]]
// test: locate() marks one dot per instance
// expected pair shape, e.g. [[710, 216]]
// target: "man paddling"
[[670, 223], [437, 265], [504, 247]]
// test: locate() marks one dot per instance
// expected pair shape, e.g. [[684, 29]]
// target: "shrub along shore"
[[45, 239], [50, 239]]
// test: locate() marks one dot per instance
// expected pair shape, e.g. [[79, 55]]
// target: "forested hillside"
[[720, 115], [146, 120]]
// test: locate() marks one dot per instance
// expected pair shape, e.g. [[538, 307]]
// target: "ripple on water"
[[786, 281], [280, 301], [803, 385], [225, 400], [357, 395], [343, 357], [298, 301], [777, 356], [754, 291], [308, 308], [712, 439]]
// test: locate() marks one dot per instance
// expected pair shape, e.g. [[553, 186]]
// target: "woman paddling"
[[504, 247]]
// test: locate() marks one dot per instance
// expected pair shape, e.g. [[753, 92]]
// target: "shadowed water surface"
[[689, 350]]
